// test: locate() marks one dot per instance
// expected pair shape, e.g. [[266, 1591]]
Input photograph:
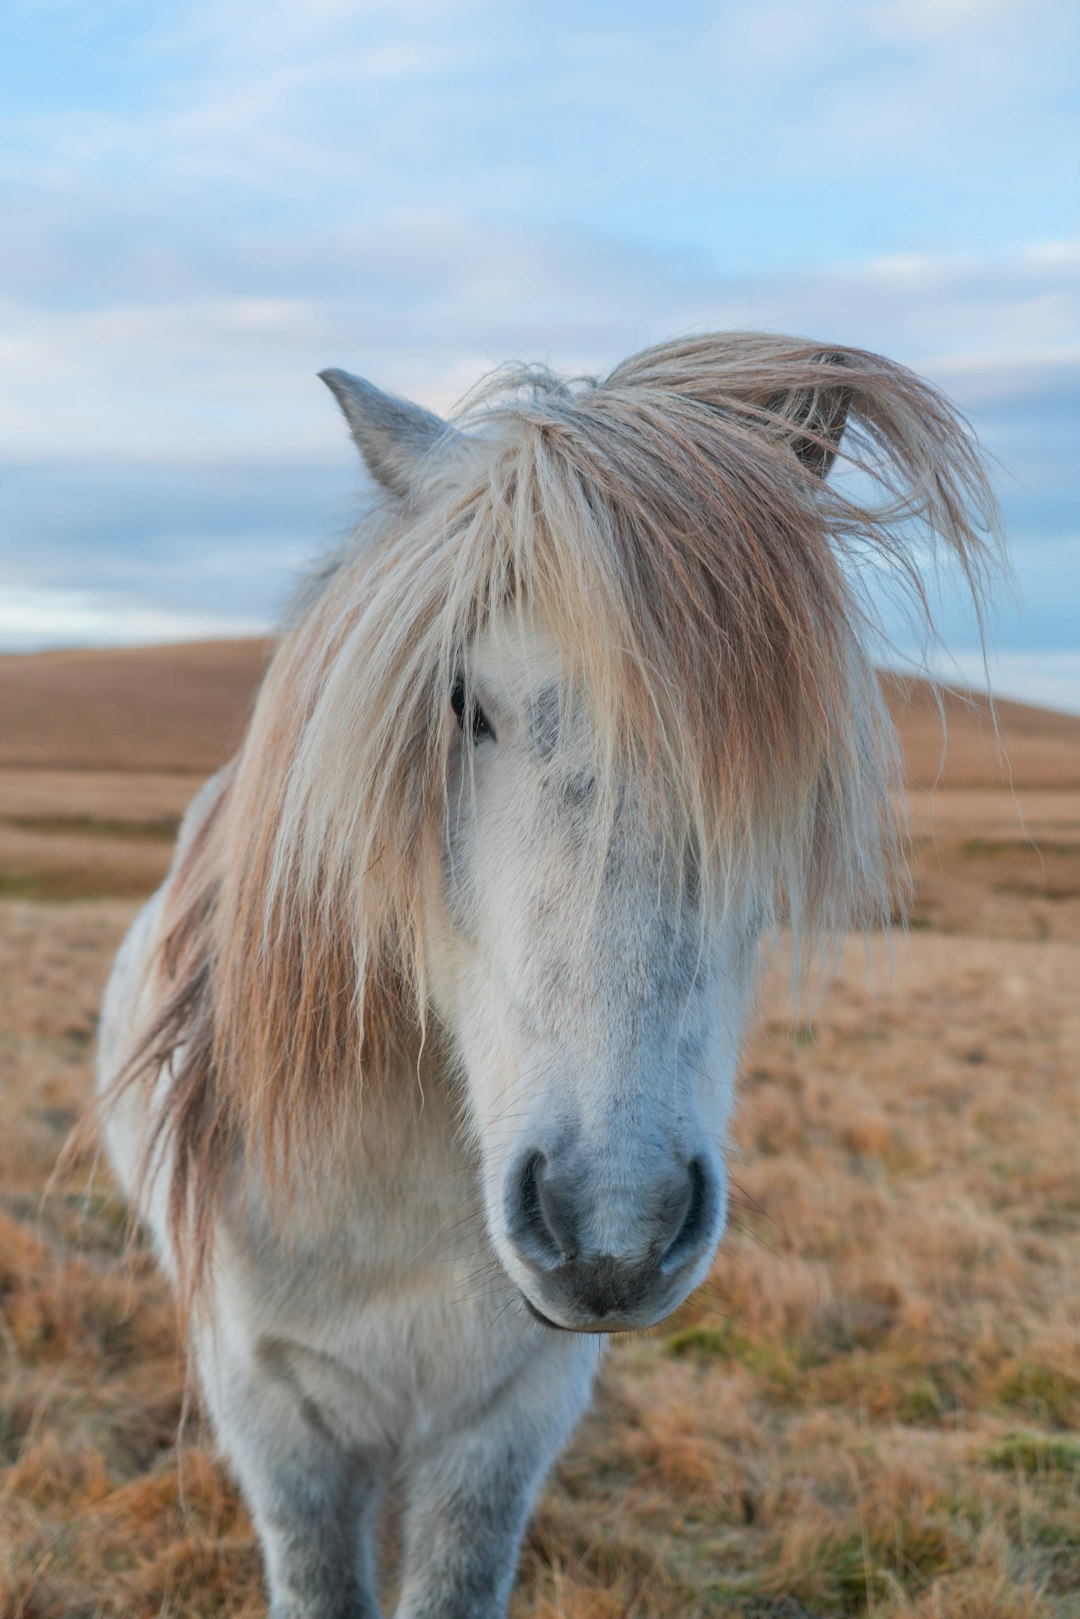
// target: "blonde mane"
[[670, 526]]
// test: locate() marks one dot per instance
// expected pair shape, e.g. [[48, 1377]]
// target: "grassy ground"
[[871, 1408]]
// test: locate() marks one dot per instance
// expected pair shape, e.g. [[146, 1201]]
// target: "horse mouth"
[[538, 1315], [557, 1326]]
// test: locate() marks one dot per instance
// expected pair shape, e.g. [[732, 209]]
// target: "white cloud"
[[932, 18], [1046, 679], [35, 619], [426, 301], [984, 378]]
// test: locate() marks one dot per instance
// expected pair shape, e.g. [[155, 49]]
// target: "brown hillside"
[[182, 709], [1041, 748], [167, 708]]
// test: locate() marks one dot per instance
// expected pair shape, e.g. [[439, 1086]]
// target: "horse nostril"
[[692, 1216], [541, 1218]]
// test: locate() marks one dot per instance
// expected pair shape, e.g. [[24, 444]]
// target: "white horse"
[[418, 1066]]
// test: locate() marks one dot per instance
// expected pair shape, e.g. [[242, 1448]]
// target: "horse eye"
[[475, 722]]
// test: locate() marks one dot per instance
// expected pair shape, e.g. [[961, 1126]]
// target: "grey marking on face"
[[544, 720], [579, 789], [457, 865]]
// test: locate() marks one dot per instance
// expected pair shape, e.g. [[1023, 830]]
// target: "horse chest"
[[387, 1312]]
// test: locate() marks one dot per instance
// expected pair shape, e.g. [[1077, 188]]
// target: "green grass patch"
[[701, 1343], [988, 848], [850, 1574], [1042, 1392], [1035, 1453], [162, 829], [886, 1386], [66, 885], [771, 1363], [922, 1404]]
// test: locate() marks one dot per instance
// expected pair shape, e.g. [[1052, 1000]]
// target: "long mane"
[[670, 528]]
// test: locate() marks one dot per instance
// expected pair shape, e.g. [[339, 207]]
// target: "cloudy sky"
[[205, 203]]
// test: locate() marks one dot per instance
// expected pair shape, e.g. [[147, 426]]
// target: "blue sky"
[[204, 204]]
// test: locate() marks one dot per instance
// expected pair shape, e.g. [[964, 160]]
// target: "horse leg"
[[468, 1498], [314, 1500]]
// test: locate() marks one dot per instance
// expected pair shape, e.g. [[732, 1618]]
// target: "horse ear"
[[392, 435], [815, 416]]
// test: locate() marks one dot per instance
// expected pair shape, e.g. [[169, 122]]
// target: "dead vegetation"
[[871, 1408]]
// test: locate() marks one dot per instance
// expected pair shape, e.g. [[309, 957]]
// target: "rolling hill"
[[182, 709]]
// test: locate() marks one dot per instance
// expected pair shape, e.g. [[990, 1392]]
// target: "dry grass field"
[[872, 1407]]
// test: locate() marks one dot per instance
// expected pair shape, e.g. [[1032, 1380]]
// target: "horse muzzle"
[[610, 1257]]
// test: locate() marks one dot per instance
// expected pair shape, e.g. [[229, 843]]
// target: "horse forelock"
[[669, 531]]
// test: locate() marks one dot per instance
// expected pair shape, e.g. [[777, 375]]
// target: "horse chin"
[[569, 1320], [545, 1320]]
